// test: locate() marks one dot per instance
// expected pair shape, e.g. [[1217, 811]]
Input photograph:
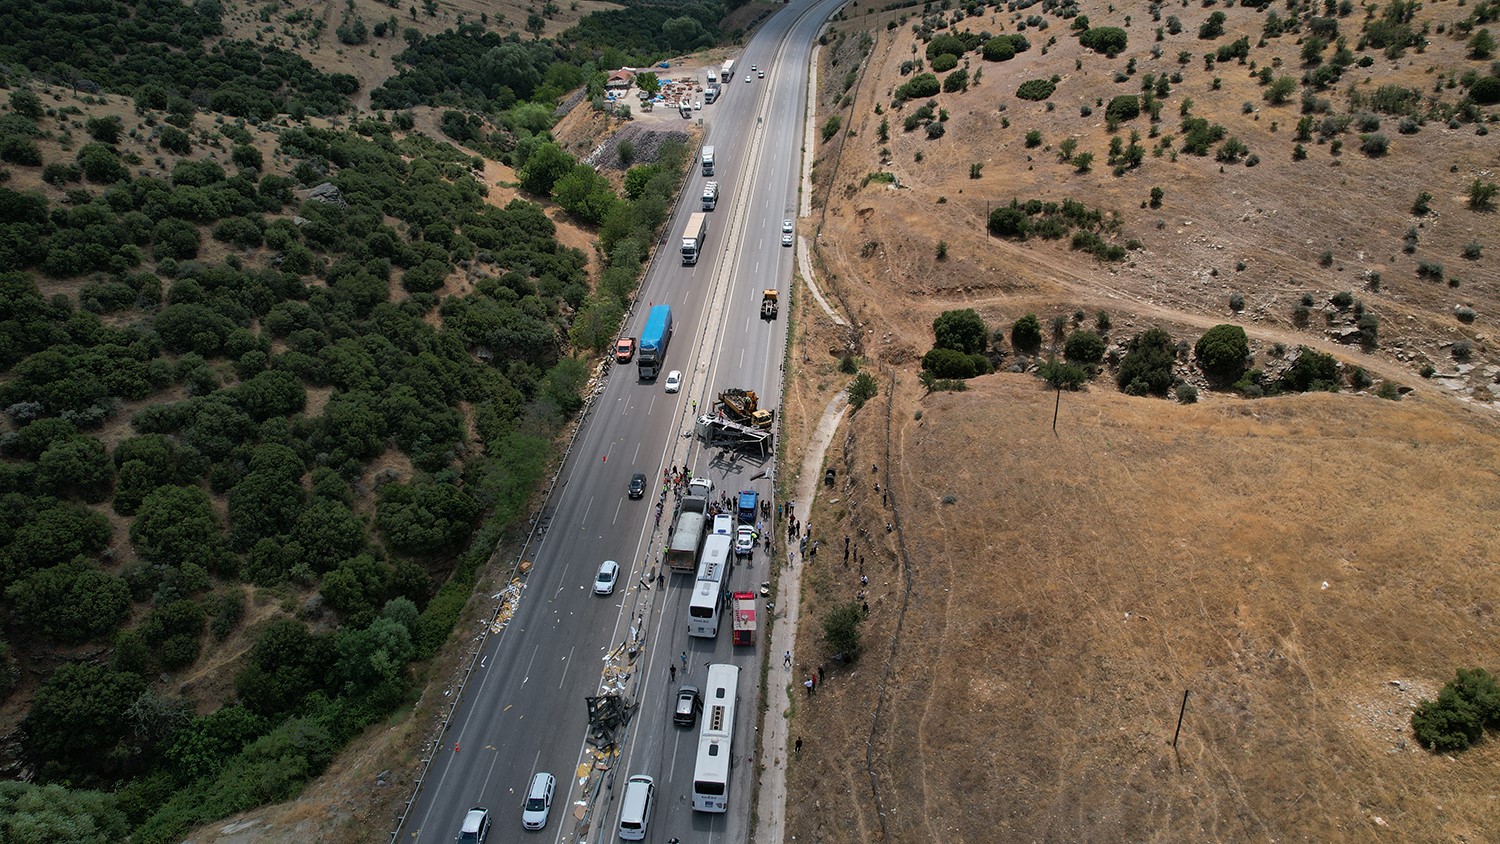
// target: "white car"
[[786, 240], [761, 74], [754, 68], [786, 226], [748, 80], [698, 105], [538, 801], [604, 581], [744, 540], [674, 381]]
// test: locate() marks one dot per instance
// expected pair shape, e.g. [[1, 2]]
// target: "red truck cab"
[[625, 350]]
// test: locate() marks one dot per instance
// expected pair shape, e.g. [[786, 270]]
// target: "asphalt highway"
[[523, 710]]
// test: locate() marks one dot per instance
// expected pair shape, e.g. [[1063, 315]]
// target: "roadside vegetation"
[[273, 392]]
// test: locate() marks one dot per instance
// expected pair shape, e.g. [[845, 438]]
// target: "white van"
[[635, 808], [724, 524]]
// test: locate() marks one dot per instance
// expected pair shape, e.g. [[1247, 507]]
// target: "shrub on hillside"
[[960, 330], [1146, 367], [1035, 89], [1026, 334], [949, 363], [944, 63], [1109, 40], [1466, 706], [956, 81], [917, 87], [1222, 351], [1123, 107], [998, 50], [1084, 346], [1313, 370], [841, 629], [1010, 222], [1485, 90]]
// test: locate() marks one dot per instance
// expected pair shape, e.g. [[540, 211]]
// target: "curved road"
[[523, 709]]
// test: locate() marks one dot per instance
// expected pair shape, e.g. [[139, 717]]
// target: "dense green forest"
[[155, 50], [489, 72], [235, 411]]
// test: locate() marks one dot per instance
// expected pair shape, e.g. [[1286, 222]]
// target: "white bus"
[[706, 605], [711, 776]]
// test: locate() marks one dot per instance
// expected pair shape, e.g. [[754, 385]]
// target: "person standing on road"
[[672, 672], [786, 661], [684, 659]]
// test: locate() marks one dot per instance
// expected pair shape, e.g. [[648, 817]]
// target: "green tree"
[[35, 813], [176, 525], [1280, 90], [286, 664], [175, 632], [372, 656], [71, 603], [76, 467], [356, 588], [105, 130], [960, 330], [1481, 45], [1312, 370], [585, 194], [841, 629], [1009, 222], [1084, 347], [327, 532], [101, 164], [1448, 723], [1026, 334], [268, 498], [425, 518], [26, 103], [1062, 376], [1146, 367], [546, 164], [1109, 40], [1222, 352], [51, 534], [648, 82], [949, 363], [1482, 195], [79, 726], [862, 389]]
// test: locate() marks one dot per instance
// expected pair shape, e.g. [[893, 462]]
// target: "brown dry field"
[[1308, 567]]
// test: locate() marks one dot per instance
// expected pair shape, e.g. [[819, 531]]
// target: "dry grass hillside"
[[1308, 568], [1222, 228]]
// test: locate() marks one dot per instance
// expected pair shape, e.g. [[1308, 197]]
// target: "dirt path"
[[770, 811]]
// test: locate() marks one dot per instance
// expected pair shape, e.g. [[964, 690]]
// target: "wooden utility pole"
[[1180, 713], [1056, 407]]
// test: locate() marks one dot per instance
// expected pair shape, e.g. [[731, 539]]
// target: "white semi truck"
[[692, 237]]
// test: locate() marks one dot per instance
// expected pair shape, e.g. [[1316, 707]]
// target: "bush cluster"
[[1464, 709]]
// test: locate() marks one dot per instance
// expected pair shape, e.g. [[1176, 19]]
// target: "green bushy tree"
[[1222, 351]]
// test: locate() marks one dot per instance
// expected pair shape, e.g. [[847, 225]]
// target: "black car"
[[637, 485]]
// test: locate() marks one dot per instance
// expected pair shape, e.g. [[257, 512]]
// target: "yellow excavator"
[[743, 406]]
